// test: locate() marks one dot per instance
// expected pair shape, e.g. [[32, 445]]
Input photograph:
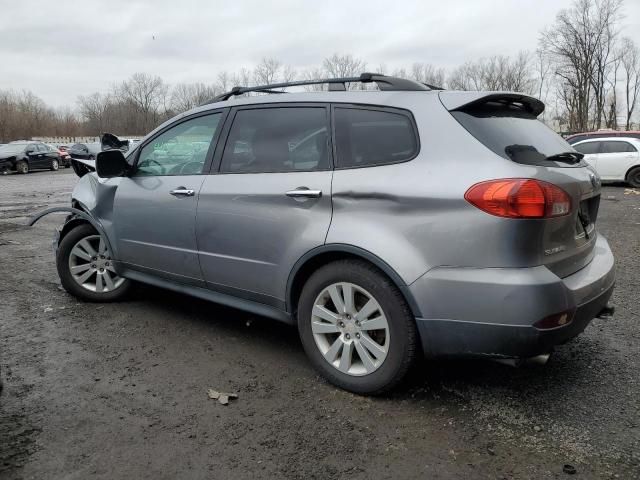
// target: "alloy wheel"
[[91, 266], [350, 329]]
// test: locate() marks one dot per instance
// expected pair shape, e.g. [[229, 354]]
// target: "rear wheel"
[[86, 269], [22, 167], [54, 165], [633, 177], [356, 327]]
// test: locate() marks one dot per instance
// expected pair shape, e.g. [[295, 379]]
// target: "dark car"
[[23, 156], [578, 137], [85, 151]]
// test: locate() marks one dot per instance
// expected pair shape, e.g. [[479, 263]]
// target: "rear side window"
[[367, 137], [588, 148], [617, 147], [513, 133], [287, 139]]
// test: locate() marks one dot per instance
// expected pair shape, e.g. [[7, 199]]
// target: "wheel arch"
[[324, 254], [80, 216], [632, 167]]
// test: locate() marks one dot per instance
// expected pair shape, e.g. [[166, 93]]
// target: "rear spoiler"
[[467, 100]]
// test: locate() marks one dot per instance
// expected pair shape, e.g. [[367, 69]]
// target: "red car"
[[65, 158], [577, 137]]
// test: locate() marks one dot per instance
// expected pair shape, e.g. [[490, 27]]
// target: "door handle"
[[182, 192], [304, 192]]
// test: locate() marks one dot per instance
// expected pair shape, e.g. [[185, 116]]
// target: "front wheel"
[[633, 177], [356, 327], [22, 167], [54, 165], [86, 269]]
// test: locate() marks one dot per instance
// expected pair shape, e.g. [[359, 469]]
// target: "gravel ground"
[[120, 390]]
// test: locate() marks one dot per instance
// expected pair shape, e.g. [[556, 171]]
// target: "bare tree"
[[267, 71], [580, 44], [340, 66], [185, 96], [427, 73], [631, 63], [94, 109], [314, 74], [494, 73], [148, 95]]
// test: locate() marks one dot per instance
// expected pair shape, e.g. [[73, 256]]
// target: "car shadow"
[[429, 380]]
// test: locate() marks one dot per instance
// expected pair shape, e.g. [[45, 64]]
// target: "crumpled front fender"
[[78, 213]]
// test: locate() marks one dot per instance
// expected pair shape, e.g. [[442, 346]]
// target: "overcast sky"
[[61, 49]]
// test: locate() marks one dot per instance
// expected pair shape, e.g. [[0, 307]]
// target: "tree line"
[[583, 69]]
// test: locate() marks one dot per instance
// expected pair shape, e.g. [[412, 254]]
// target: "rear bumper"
[[491, 312]]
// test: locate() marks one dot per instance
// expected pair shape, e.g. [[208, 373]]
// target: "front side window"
[[181, 150], [373, 137], [287, 139], [588, 148], [617, 147]]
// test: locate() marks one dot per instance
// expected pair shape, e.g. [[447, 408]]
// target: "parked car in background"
[[578, 137], [24, 156], [65, 158], [86, 151], [380, 223], [614, 158]]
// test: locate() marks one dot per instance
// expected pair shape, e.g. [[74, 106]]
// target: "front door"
[[155, 207], [270, 202]]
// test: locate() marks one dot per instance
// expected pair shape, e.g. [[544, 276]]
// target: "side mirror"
[[111, 164]]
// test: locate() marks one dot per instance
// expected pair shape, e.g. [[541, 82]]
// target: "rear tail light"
[[519, 198], [554, 321]]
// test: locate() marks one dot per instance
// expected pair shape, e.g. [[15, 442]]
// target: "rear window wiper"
[[566, 157]]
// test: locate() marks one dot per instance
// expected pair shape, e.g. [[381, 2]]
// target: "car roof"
[[609, 139]]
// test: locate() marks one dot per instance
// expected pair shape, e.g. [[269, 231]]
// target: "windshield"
[[13, 148], [513, 134]]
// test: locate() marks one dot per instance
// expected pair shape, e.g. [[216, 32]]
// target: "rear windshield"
[[513, 133]]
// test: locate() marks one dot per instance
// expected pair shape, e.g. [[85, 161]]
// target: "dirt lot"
[[120, 390]]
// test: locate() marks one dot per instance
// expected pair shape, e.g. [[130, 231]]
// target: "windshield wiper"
[[566, 157]]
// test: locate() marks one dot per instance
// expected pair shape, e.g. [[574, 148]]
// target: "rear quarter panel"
[[413, 215]]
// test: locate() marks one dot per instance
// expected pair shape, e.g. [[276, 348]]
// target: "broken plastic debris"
[[222, 397]]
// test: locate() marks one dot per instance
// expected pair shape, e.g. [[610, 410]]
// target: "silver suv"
[[382, 223]]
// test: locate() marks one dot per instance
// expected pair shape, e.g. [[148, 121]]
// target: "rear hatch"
[[507, 124]]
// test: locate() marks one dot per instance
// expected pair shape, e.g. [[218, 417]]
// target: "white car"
[[614, 158]]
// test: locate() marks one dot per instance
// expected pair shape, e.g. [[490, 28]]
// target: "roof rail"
[[335, 84]]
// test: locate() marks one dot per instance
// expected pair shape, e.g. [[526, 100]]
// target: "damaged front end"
[[91, 202]]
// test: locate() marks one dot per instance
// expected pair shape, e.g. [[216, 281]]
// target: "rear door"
[[154, 209], [591, 151], [270, 201], [615, 159], [42, 156]]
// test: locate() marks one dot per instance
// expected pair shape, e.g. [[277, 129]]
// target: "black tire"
[[66, 278], [22, 167], [55, 165], [633, 177], [402, 328]]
